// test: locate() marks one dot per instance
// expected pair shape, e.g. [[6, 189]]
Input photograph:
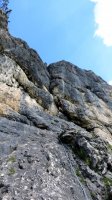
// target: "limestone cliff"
[[55, 127]]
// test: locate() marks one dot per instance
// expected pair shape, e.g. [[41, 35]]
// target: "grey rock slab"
[[32, 165]]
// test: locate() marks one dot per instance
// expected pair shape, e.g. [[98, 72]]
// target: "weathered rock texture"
[[55, 127]]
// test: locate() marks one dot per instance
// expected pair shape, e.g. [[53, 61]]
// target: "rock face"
[[55, 127]]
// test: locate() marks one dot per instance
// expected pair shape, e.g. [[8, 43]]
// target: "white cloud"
[[103, 19], [110, 82]]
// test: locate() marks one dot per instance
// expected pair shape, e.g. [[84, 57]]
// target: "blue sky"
[[65, 30]]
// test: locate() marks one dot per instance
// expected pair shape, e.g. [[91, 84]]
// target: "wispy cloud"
[[103, 19], [110, 82]]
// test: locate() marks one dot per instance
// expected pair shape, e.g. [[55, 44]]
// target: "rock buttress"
[[55, 127]]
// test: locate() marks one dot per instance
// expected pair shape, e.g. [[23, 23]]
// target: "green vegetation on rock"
[[11, 171], [12, 159], [107, 182]]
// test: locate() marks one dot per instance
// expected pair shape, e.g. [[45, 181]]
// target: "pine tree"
[[4, 5]]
